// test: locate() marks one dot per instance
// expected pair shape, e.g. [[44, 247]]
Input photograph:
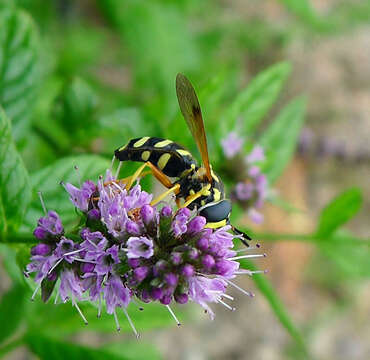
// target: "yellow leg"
[[126, 179], [174, 189], [135, 176], [195, 196]]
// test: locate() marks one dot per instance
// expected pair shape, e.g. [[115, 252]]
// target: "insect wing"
[[192, 113]]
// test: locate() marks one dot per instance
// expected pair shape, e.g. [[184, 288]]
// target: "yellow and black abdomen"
[[169, 157]]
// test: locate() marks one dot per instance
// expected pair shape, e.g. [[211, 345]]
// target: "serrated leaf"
[[280, 138], [276, 304], [49, 348], [339, 211], [11, 311], [48, 181], [19, 73], [78, 103], [15, 189], [254, 102]]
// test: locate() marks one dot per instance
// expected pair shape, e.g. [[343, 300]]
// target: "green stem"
[[282, 237], [10, 346]]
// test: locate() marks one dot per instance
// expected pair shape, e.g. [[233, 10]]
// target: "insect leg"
[[195, 196], [173, 189]]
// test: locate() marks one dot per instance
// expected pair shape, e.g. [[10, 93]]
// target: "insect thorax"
[[193, 181]]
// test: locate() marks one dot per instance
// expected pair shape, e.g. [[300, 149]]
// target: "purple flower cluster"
[[252, 191], [129, 248]]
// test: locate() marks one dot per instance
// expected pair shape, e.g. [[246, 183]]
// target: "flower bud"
[[197, 224], [208, 261], [202, 244], [140, 273], [187, 270], [132, 227], [156, 293], [147, 214], [181, 298], [40, 233], [40, 249], [171, 279], [166, 211], [166, 299]]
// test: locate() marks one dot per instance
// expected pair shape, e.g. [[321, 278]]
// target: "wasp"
[[199, 187]]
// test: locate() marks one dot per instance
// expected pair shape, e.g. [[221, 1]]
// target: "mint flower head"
[[131, 248], [251, 187]]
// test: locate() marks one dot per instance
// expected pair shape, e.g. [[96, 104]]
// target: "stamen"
[[92, 243], [239, 288], [226, 305], [116, 320], [118, 170], [74, 252], [247, 249], [78, 174], [55, 265], [137, 304], [79, 311], [173, 315], [99, 307], [85, 261], [228, 297], [117, 186], [112, 163], [56, 297], [247, 256], [36, 291], [42, 202], [131, 323]]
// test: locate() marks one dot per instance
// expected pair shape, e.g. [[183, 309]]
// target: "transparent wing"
[[192, 113]]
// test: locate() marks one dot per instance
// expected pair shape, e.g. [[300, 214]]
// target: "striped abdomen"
[[171, 158]]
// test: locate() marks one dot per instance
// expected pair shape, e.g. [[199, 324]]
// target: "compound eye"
[[215, 212]]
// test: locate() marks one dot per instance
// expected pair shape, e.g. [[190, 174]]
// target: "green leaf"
[[15, 190], [276, 304], [49, 348], [352, 260], [63, 320], [56, 198], [77, 105], [303, 10], [11, 311], [339, 211], [19, 73], [254, 102], [280, 138], [134, 350]]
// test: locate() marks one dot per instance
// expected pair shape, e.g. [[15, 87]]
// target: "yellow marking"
[[193, 166], [216, 194], [216, 225], [202, 203], [183, 152], [145, 155], [191, 192], [215, 176], [123, 147], [163, 143], [162, 162], [141, 141]]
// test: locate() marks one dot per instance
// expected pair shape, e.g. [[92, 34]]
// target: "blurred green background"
[[80, 78]]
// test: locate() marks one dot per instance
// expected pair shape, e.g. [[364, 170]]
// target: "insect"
[[198, 186]]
